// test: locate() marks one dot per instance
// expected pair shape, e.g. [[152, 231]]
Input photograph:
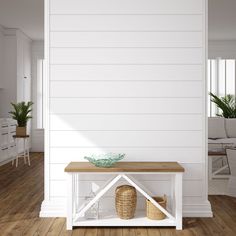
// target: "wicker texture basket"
[[126, 200], [153, 212]]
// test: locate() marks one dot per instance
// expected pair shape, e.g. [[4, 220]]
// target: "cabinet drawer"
[[4, 154], [4, 131], [4, 139]]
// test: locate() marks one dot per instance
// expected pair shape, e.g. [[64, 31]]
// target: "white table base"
[[75, 214]]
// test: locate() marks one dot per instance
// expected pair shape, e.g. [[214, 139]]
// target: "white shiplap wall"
[[127, 76]]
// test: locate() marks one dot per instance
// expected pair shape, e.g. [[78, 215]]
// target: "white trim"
[[46, 204], [197, 210], [52, 209], [205, 112]]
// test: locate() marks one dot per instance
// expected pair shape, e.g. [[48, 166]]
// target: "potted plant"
[[21, 115], [226, 104]]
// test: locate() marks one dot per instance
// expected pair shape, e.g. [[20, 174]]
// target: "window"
[[221, 80], [40, 112]]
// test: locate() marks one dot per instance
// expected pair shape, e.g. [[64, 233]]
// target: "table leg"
[[69, 220], [17, 152], [172, 195], [24, 151], [178, 200], [27, 150], [209, 167]]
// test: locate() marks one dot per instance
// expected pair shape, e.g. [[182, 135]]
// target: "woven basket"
[[126, 200], [153, 212]]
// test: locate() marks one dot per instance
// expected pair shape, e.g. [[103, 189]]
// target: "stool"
[[25, 152]]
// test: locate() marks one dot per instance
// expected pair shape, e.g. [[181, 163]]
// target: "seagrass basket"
[[125, 201], [153, 212]]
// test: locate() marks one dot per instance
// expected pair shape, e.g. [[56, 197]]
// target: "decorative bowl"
[[105, 160]]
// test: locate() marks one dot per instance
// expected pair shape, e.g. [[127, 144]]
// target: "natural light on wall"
[[40, 94], [221, 80]]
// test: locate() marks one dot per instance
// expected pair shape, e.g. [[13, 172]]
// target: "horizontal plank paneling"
[[126, 72], [192, 172], [125, 122], [125, 89], [183, 155], [158, 187], [126, 39], [119, 105], [190, 188], [126, 6], [126, 56], [126, 23], [127, 77], [125, 138]]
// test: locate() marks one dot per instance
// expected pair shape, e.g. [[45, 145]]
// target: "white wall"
[[16, 66], [9, 92], [1, 56], [226, 49], [127, 76], [37, 142]]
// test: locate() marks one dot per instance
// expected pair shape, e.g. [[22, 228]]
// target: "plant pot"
[[20, 131]]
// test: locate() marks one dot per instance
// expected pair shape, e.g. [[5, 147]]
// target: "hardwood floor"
[[21, 193]]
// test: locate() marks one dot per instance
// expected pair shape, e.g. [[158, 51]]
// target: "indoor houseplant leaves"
[[226, 104], [21, 113]]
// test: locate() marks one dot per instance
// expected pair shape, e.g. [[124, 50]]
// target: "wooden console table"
[[124, 170]]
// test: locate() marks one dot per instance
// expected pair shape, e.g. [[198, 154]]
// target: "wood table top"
[[126, 167]]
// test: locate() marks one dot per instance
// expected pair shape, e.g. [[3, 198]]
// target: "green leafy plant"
[[226, 104], [21, 113]]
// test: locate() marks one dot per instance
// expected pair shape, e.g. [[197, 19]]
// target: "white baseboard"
[[197, 210], [58, 209], [52, 209]]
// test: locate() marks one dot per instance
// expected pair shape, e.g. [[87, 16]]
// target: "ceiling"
[[26, 15], [222, 19]]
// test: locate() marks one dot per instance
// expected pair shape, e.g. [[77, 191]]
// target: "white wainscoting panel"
[[126, 39], [126, 7], [126, 72], [126, 89], [125, 138], [125, 122], [125, 23], [100, 56], [183, 154], [126, 105], [127, 76]]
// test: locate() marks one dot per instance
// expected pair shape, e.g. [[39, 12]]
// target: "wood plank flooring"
[[21, 194]]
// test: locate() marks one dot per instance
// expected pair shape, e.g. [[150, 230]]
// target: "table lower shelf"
[[111, 219]]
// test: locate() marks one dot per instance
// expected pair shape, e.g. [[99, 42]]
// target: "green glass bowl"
[[105, 160]]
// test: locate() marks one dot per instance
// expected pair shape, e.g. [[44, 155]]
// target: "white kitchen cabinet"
[[7, 144]]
